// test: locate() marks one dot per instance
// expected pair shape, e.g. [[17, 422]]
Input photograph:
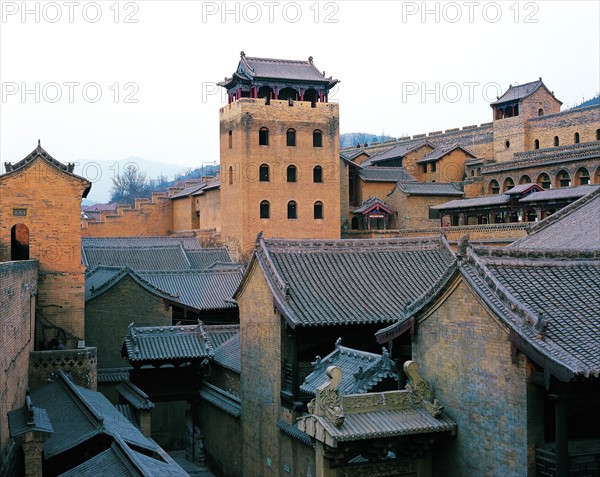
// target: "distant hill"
[[352, 139], [590, 102]]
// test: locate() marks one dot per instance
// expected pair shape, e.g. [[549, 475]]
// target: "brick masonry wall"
[[222, 441], [241, 199], [260, 331], [465, 353], [18, 286], [209, 206], [148, 219], [80, 364], [51, 199], [413, 210], [184, 214], [108, 316]]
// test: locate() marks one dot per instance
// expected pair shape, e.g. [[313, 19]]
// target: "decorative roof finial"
[[39, 143], [338, 342], [242, 54], [310, 59]]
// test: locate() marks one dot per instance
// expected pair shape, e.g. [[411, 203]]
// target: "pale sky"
[[405, 67]]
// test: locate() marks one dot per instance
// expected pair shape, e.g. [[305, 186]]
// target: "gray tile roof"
[[484, 200], [199, 289], [29, 419], [188, 191], [229, 354], [384, 174], [398, 151], [561, 193], [100, 279], [166, 344], [549, 300], [335, 282], [385, 424], [221, 399], [519, 91], [134, 396], [441, 151], [370, 203], [430, 188], [112, 207], [113, 375], [119, 460], [269, 68], [293, 431], [574, 227], [361, 371], [351, 154], [152, 257], [519, 189], [205, 258], [78, 414], [219, 334], [188, 242]]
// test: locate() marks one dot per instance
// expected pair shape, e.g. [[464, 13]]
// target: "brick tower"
[[279, 153], [40, 213]]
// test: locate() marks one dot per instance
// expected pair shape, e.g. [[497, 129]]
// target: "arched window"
[[230, 175], [292, 212], [263, 137], [582, 176], [556, 141], [479, 171], [507, 144], [540, 112], [536, 144], [263, 173], [265, 209], [318, 210], [318, 174], [525, 180], [19, 242], [472, 172], [494, 187], [291, 174], [563, 179], [543, 181], [230, 139], [291, 137], [576, 138], [508, 184], [317, 138]]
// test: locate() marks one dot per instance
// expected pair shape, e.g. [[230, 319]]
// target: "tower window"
[[230, 175], [263, 137], [291, 137], [291, 174], [318, 210], [318, 174], [230, 139], [556, 141], [263, 173], [576, 138], [292, 210], [317, 138], [265, 209], [507, 144], [597, 134], [536, 144]]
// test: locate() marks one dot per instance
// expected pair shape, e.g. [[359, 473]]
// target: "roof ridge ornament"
[[328, 402]]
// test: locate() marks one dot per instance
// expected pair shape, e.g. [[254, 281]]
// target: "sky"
[[109, 80]]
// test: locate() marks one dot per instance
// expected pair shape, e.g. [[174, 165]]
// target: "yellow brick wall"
[[52, 201], [241, 199], [209, 206], [184, 213]]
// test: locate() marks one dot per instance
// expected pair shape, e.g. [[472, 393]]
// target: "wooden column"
[[562, 439]]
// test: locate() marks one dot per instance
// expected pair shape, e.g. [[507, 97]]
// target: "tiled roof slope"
[[100, 279], [78, 414], [361, 370], [188, 242], [430, 188], [484, 200], [384, 174], [549, 300], [342, 282], [398, 151], [561, 193], [520, 91], [574, 227], [270, 68], [166, 344], [229, 353], [219, 334], [188, 191], [153, 257], [200, 289], [441, 151], [201, 259]]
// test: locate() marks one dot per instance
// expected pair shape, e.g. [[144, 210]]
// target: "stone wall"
[[108, 316], [18, 288], [465, 353]]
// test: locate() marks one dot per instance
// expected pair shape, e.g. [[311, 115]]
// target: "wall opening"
[[19, 242]]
